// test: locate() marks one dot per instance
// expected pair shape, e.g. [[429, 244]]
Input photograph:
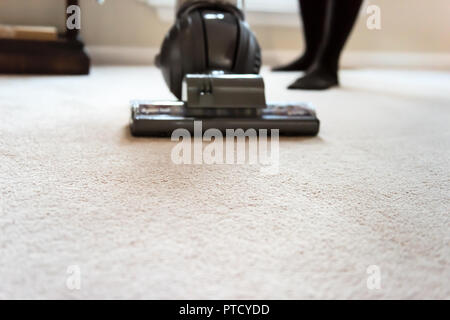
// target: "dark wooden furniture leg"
[[66, 55]]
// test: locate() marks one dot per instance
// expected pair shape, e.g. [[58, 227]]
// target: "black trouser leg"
[[313, 13], [323, 73]]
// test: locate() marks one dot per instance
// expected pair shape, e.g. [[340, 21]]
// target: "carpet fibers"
[[365, 203]]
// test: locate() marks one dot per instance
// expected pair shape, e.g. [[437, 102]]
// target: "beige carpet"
[[78, 190]]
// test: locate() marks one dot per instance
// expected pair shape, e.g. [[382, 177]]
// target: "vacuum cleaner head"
[[222, 102]]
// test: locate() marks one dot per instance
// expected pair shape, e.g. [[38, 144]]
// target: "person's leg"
[[323, 74], [313, 14]]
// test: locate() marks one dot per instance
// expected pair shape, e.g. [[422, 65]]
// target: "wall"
[[407, 25]]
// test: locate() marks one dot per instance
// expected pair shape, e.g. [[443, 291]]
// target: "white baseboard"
[[369, 59], [113, 55]]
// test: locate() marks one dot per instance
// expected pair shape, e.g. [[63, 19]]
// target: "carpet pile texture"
[[373, 189]]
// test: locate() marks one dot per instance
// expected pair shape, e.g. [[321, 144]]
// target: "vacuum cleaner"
[[210, 60]]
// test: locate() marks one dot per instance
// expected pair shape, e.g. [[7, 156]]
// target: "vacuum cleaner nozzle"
[[222, 102]]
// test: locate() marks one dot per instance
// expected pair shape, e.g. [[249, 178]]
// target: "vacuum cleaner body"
[[210, 61]]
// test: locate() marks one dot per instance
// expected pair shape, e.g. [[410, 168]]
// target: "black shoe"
[[301, 64], [317, 79]]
